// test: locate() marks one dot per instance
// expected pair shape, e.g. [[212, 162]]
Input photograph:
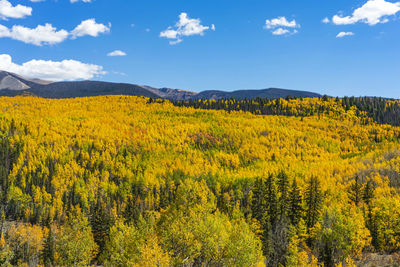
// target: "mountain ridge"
[[12, 84]]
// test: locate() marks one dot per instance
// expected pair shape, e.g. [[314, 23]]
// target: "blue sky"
[[241, 52]]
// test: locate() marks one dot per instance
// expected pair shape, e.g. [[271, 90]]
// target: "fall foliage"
[[129, 181]]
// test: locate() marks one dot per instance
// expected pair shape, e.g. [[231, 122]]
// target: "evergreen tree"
[[258, 204], [368, 195], [313, 201], [272, 201], [283, 187], [355, 191], [49, 248], [101, 222], [295, 204], [275, 227]]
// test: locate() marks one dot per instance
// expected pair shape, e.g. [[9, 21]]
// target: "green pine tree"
[[295, 204]]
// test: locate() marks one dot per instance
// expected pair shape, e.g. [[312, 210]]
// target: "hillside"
[[271, 93], [89, 88], [383, 111], [172, 184], [13, 85]]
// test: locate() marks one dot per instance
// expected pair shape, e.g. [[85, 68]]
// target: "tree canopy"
[[124, 181]]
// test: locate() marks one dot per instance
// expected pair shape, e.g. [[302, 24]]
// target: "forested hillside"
[[130, 181], [381, 110]]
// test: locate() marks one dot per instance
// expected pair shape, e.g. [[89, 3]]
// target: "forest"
[[384, 111], [133, 181]]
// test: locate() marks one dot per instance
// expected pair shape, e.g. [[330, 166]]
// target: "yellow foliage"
[[70, 152]]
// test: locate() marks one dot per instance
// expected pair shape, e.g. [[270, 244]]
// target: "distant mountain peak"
[[271, 93], [8, 81], [12, 84], [12, 81]]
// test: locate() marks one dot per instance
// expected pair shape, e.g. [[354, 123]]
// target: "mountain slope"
[[264, 93], [27, 83], [10, 82], [13, 85], [89, 88]]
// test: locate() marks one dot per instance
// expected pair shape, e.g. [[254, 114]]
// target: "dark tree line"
[[259, 106], [381, 110]]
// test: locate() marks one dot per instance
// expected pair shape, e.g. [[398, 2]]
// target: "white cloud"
[[280, 22], [116, 53], [119, 73], [343, 34], [280, 31], [4, 31], [7, 10], [184, 27], [66, 70], [41, 35], [326, 20], [49, 35], [372, 13], [177, 41], [281, 26], [90, 27]]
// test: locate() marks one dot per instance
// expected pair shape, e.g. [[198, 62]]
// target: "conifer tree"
[[283, 187], [368, 195], [313, 201], [49, 248], [101, 222], [258, 204], [272, 201], [355, 191], [295, 204]]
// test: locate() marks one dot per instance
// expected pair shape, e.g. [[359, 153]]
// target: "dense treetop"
[[171, 184]]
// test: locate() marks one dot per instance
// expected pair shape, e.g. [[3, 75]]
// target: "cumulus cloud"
[[326, 20], [90, 27], [343, 34], [280, 22], [49, 35], [280, 31], [4, 31], [371, 13], [184, 27], [7, 10], [281, 26], [116, 53], [66, 70], [41, 35]]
